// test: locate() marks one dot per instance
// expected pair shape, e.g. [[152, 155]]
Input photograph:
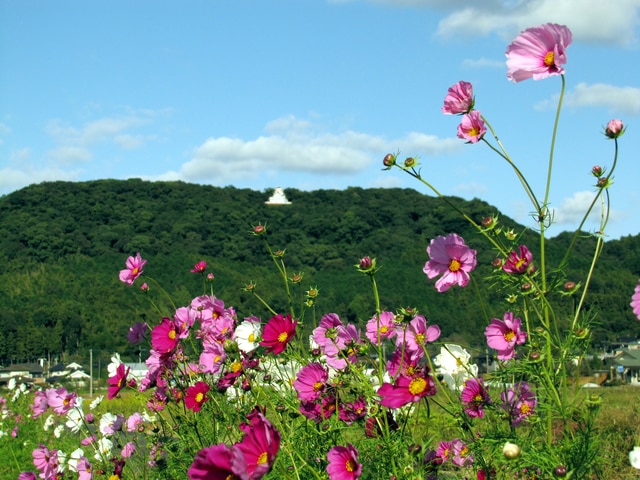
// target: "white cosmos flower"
[[103, 449], [57, 432], [96, 402], [74, 458], [634, 457], [453, 364], [246, 336], [49, 422], [115, 363], [11, 384], [75, 419]]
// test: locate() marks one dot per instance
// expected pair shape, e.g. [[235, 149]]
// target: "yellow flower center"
[[135, 270], [283, 337], [251, 337], [549, 59], [350, 466], [417, 386], [510, 335], [236, 367], [473, 132], [524, 409], [199, 397], [318, 386], [172, 334], [262, 458], [454, 265], [520, 262], [384, 329], [477, 398], [464, 452], [419, 338]]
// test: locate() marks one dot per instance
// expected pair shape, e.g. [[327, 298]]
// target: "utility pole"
[[90, 373]]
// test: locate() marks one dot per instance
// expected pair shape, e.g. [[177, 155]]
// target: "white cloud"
[[616, 99], [69, 155], [589, 20], [572, 209], [12, 179], [483, 63], [4, 130], [299, 146]]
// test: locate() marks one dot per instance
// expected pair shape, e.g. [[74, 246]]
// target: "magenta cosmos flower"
[[133, 270], [519, 402], [165, 337], [518, 261], [451, 258], [406, 390], [380, 327], [343, 463], [472, 127], [459, 99], [538, 52], [199, 267], [310, 382], [504, 335], [196, 396], [635, 301], [259, 446], [214, 463], [118, 381], [277, 333], [474, 397]]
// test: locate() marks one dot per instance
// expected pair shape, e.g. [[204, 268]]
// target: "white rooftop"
[[278, 198]]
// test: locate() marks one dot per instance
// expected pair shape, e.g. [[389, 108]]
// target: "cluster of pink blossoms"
[[60, 400]]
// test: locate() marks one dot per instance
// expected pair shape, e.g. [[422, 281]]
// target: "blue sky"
[[311, 94]]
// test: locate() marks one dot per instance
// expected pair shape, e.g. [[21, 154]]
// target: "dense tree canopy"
[[62, 245]]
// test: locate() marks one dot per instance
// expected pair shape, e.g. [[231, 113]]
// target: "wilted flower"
[[538, 52]]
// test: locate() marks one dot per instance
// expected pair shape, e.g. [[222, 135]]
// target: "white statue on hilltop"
[[278, 198]]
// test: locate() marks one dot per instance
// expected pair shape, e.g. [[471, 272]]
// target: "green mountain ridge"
[[62, 245]]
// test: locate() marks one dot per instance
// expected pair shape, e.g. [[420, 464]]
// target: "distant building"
[[24, 372], [278, 198]]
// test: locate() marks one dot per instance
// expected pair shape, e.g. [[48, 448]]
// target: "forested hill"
[[62, 245]]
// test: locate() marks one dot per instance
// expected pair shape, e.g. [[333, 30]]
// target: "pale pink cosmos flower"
[[416, 336], [46, 461], [133, 270], [128, 450], [459, 99], [635, 301], [504, 335], [40, 403], [451, 258], [381, 326], [462, 455], [60, 400], [538, 52], [472, 127]]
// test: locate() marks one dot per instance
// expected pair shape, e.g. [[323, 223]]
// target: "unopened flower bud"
[[511, 450], [365, 263], [560, 471], [568, 286], [489, 222], [259, 229], [525, 287], [313, 292], [614, 128], [534, 356], [296, 278], [210, 277], [497, 263], [89, 417], [581, 332], [597, 171], [144, 287], [603, 182], [410, 162], [249, 287], [278, 253], [389, 160]]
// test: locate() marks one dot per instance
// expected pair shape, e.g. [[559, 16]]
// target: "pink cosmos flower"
[[416, 336], [459, 99], [213, 463], [27, 476], [444, 451], [199, 267], [635, 301], [343, 463], [196, 396], [472, 127], [310, 381], [318, 411], [134, 421], [133, 270], [519, 402], [518, 262], [137, 332], [474, 397], [462, 456], [212, 357], [40, 403], [349, 412], [381, 326], [451, 258], [538, 52], [259, 447], [165, 337], [118, 381], [277, 333], [61, 400], [46, 461], [327, 331], [406, 390], [128, 450], [504, 335], [84, 469]]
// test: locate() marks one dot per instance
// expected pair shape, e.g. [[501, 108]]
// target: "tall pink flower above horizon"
[[277, 333], [472, 127], [635, 301], [538, 52], [451, 258], [133, 270], [343, 463], [459, 99], [503, 335]]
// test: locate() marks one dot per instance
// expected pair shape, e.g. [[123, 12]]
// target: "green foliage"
[[62, 245]]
